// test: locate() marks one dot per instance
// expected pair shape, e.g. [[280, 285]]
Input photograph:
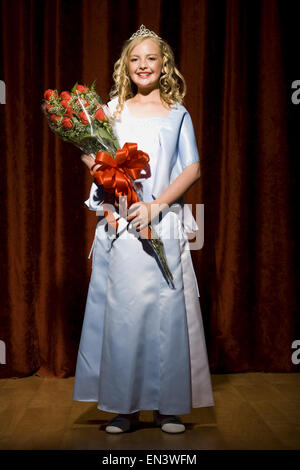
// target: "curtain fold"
[[238, 61]]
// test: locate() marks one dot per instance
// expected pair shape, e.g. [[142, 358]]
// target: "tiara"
[[143, 31]]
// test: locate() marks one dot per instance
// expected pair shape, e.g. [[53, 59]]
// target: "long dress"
[[142, 344]]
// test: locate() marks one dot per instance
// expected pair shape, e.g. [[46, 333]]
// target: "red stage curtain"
[[237, 58]]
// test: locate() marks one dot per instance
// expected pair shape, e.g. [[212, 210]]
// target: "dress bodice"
[[144, 131]]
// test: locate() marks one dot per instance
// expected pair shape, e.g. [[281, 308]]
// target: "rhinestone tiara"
[[143, 31]]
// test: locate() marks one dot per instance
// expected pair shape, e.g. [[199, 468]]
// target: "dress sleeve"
[[187, 154], [187, 145]]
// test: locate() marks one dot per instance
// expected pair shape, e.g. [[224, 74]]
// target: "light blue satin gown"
[[142, 344]]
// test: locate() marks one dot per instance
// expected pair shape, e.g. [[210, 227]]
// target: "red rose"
[[66, 122], [99, 114], [82, 89], [65, 95], [83, 118], [49, 94], [54, 118], [69, 111], [65, 103], [47, 107]]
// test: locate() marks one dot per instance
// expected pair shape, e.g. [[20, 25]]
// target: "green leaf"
[[92, 87], [74, 88]]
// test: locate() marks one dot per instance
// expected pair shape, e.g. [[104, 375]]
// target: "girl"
[[142, 344]]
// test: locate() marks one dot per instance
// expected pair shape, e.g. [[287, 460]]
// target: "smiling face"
[[145, 64]]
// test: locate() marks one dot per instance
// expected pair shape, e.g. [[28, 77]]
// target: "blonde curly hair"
[[172, 85]]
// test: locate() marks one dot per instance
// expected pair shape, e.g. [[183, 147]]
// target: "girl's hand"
[[141, 213], [88, 160]]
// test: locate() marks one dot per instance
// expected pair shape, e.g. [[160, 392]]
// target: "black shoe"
[[120, 424], [171, 424]]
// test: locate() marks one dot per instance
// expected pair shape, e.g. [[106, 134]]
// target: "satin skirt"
[[142, 344]]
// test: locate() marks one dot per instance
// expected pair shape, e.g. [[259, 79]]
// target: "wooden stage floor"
[[253, 411]]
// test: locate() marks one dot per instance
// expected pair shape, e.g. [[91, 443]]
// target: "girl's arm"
[[141, 213], [179, 186]]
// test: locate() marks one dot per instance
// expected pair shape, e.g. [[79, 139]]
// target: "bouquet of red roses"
[[80, 117]]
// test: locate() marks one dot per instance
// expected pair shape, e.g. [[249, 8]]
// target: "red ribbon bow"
[[115, 176]]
